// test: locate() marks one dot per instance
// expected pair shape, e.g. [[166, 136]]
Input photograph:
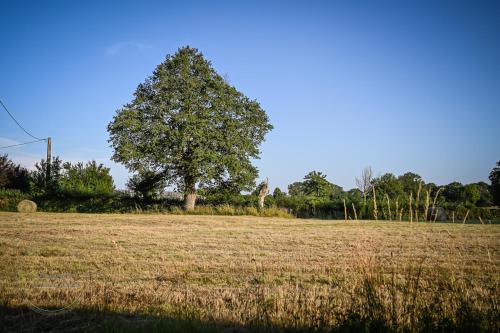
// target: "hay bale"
[[26, 206]]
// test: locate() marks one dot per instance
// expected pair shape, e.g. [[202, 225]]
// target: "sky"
[[396, 85]]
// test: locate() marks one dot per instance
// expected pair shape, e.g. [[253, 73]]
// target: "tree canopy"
[[89, 179], [187, 122], [316, 185]]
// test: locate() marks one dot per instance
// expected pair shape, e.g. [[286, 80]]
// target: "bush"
[[10, 198], [13, 176]]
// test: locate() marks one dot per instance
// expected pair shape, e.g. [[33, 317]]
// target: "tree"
[[410, 182], [364, 182], [13, 176], [315, 184], [147, 184], [495, 184], [87, 180], [354, 195], [39, 184], [188, 122], [278, 193], [471, 194], [454, 192], [296, 189], [485, 199], [388, 184]]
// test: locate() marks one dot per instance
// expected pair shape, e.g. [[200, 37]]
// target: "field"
[[78, 272]]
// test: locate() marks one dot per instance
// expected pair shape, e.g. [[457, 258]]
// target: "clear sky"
[[401, 86]]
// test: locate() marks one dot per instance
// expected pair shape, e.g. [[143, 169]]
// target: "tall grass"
[[229, 210], [390, 297]]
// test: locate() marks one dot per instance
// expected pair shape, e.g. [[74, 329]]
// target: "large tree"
[[187, 122]]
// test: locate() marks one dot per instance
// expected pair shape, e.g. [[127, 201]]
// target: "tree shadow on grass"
[[25, 319]]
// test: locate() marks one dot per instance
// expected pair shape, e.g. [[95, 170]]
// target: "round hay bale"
[[26, 206]]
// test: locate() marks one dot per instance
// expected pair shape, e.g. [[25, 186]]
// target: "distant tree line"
[[388, 197], [89, 187]]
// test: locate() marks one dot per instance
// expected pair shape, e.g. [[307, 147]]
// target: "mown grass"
[[123, 273]]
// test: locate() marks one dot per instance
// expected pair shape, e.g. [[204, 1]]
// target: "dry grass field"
[[77, 272]]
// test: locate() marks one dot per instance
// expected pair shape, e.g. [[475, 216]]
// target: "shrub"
[[13, 176], [10, 198]]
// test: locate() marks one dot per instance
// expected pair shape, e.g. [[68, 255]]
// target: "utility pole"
[[49, 158]]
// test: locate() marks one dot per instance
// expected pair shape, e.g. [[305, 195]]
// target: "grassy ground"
[[221, 273]]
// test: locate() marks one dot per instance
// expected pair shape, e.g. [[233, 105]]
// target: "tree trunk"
[[264, 188], [189, 196], [261, 201], [189, 201]]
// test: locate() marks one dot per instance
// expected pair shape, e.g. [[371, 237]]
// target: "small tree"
[[188, 122], [39, 184], [87, 180], [364, 182], [147, 184], [278, 194], [13, 176]]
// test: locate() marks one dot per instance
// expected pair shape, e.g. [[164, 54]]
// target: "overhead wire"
[[22, 144], [22, 128], [18, 124]]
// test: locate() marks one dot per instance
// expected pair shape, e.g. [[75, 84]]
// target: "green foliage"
[[471, 194], [454, 192], [454, 198], [71, 180], [9, 199], [73, 187], [390, 185], [495, 184], [296, 189], [409, 181], [278, 194], [315, 185], [485, 196], [354, 196], [13, 176], [89, 180], [188, 122], [147, 184], [39, 184]]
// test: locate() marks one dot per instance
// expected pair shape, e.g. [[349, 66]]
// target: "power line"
[[25, 131], [21, 144]]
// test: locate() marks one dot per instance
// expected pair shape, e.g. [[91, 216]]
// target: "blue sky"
[[401, 86]]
